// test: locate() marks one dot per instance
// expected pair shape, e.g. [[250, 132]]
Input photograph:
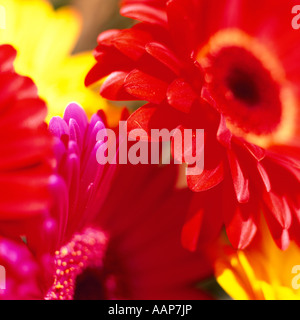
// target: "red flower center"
[[249, 86], [244, 88], [84, 251]]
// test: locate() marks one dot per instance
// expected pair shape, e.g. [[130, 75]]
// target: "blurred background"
[[98, 15]]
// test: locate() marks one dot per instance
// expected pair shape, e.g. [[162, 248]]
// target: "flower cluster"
[[221, 67], [73, 226]]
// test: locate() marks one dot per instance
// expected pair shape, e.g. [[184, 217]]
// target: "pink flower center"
[[85, 250]]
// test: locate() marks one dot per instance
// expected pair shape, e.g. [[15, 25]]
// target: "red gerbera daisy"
[[233, 70], [115, 232], [26, 149]]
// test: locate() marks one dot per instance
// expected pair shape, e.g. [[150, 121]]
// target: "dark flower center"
[[249, 86], [84, 251], [243, 87], [244, 90], [94, 284]]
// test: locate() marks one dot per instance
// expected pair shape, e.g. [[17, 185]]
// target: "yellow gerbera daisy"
[[261, 272], [44, 39]]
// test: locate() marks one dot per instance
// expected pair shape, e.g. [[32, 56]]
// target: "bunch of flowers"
[[74, 225]]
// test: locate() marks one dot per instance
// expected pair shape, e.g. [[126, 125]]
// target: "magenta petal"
[[58, 127], [75, 133], [74, 111], [92, 134], [59, 191]]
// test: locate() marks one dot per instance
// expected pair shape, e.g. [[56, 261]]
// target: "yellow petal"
[[45, 38], [231, 282]]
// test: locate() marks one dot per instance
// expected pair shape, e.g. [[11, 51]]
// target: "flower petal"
[[240, 182], [145, 13], [181, 96], [145, 87]]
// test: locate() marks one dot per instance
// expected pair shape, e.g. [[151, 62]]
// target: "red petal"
[[7, 57], [207, 180], [145, 13], [241, 184], [107, 37], [181, 96], [258, 153], [224, 135], [145, 87], [280, 235], [264, 175], [279, 208], [140, 119], [204, 221], [132, 42], [183, 20], [108, 61], [191, 232], [153, 116], [113, 87], [165, 56], [242, 228]]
